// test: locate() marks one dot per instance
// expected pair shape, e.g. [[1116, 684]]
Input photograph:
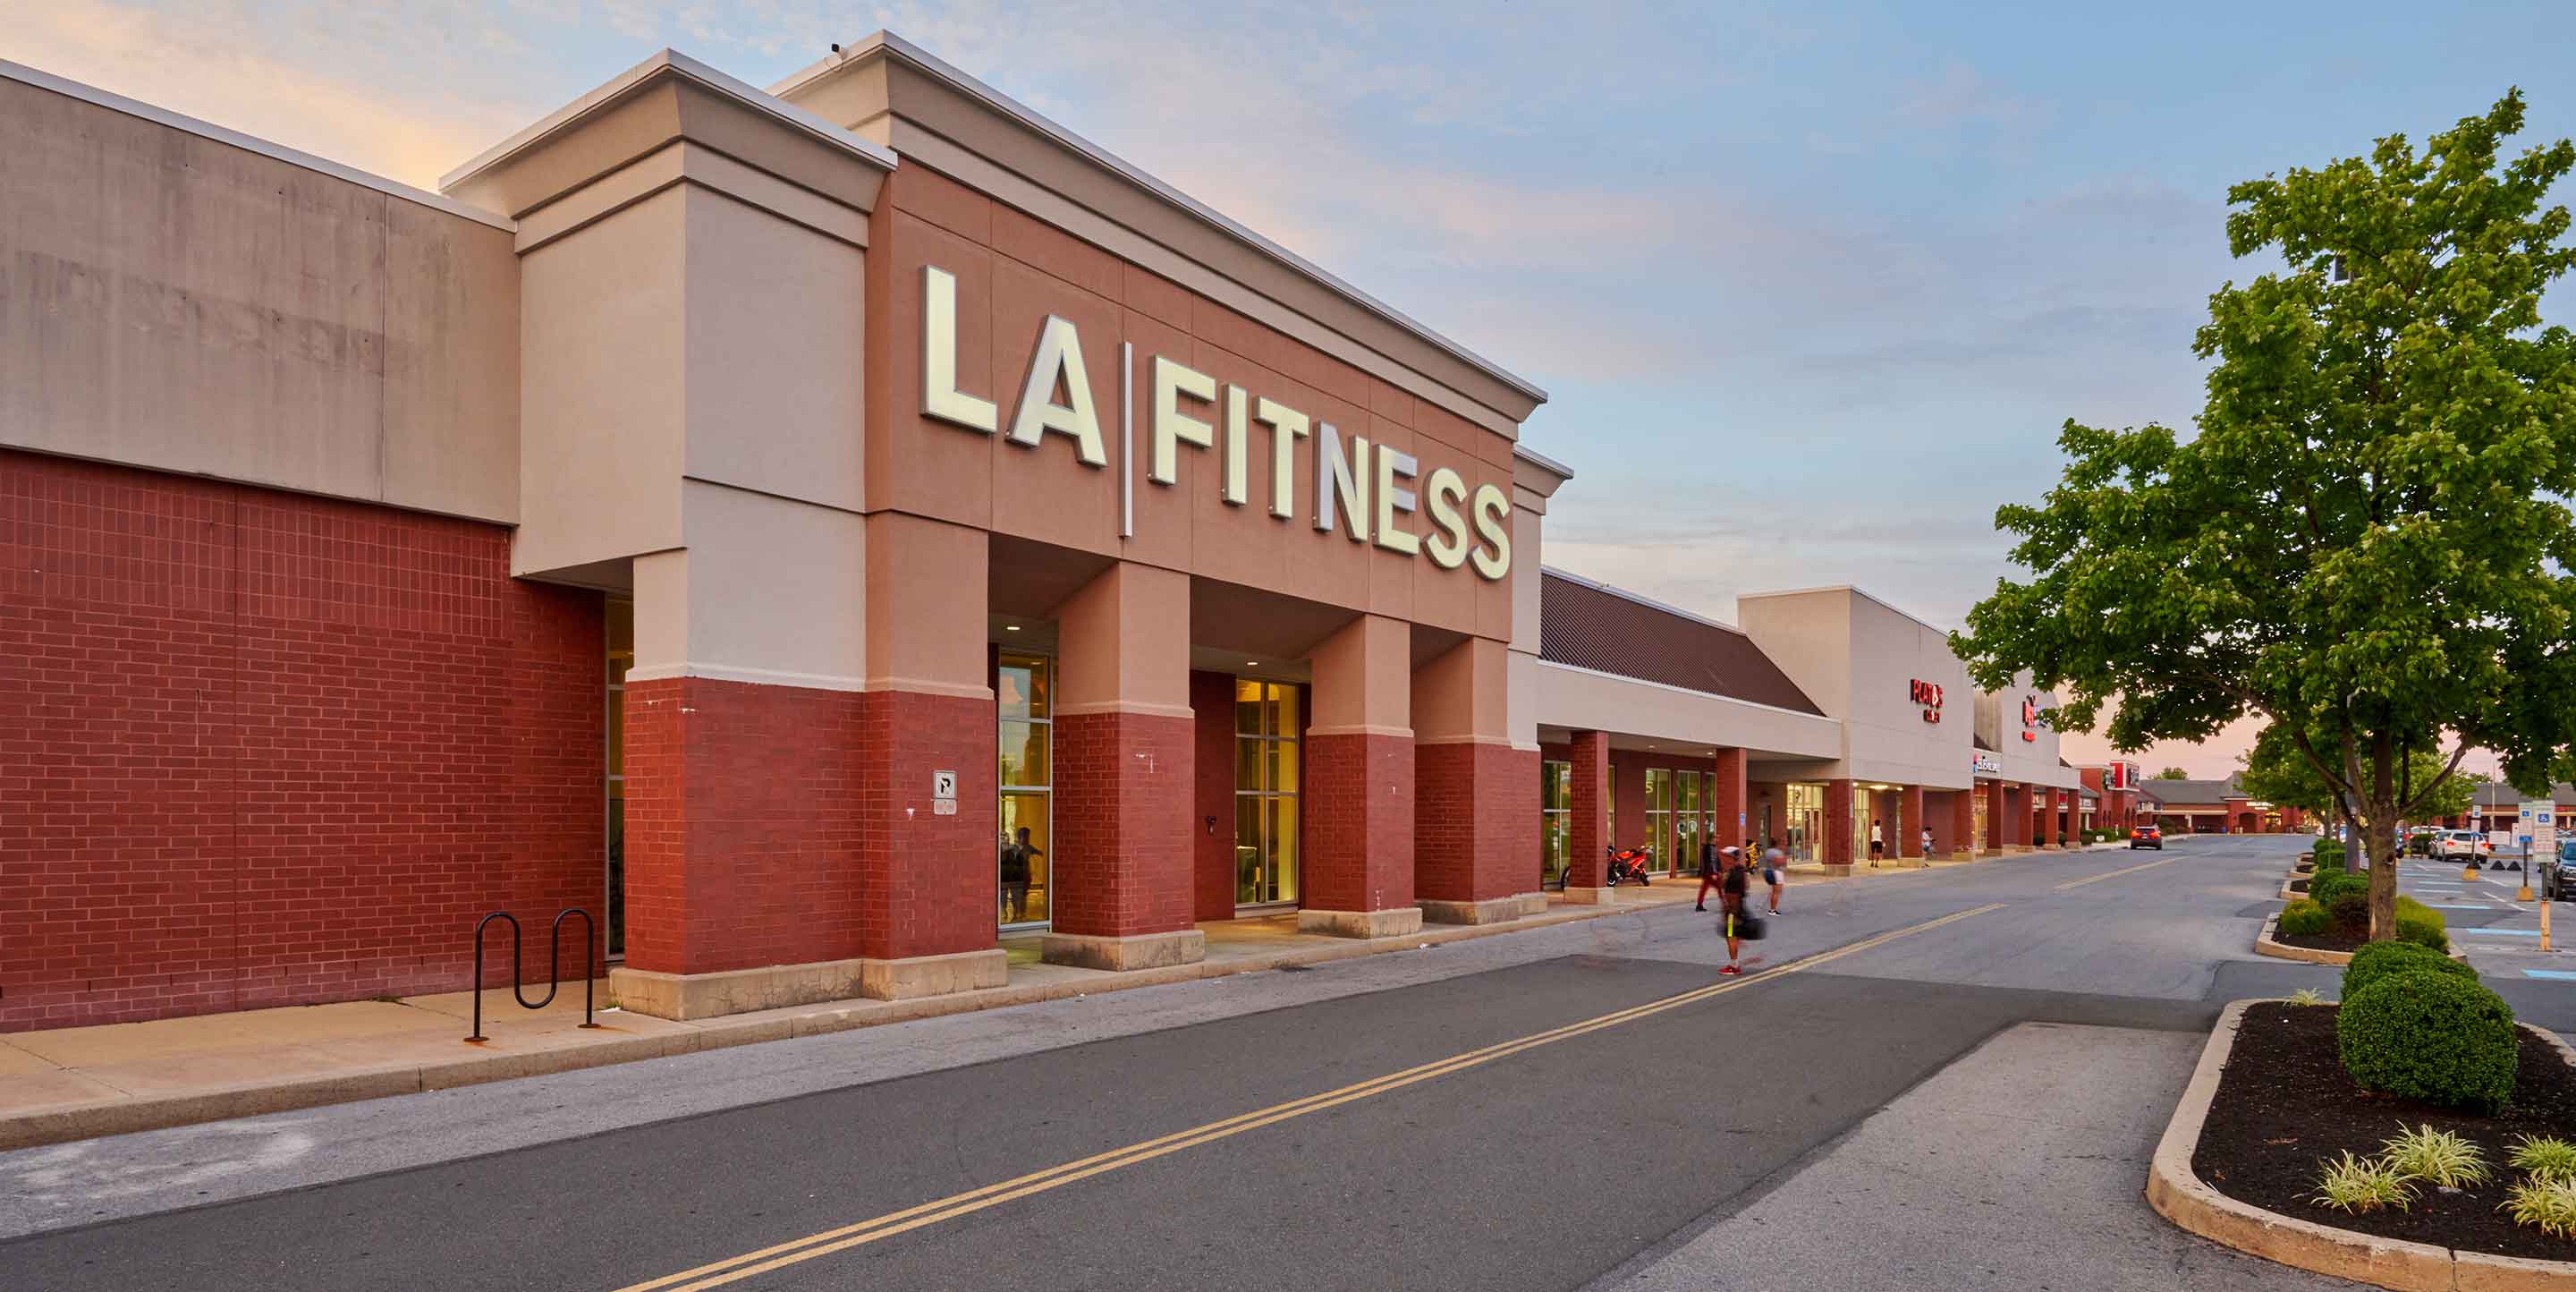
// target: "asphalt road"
[[1572, 1143]]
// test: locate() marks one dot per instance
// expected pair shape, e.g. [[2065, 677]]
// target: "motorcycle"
[[1628, 865]]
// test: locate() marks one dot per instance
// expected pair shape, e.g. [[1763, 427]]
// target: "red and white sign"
[[1927, 694], [2029, 718]]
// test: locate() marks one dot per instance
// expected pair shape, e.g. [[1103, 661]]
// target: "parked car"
[[2419, 840], [2146, 836], [2462, 845]]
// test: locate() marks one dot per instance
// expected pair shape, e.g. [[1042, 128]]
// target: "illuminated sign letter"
[[1238, 433], [1287, 426], [1447, 546], [1391, 499], [1337, 486], [940, 397], [1059, 357], [1493, 507], [1171, 425]]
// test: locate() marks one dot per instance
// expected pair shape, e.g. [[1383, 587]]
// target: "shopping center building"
[[831, 532]]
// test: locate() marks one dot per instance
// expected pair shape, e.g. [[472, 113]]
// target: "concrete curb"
[[2265, 946], [77, 1121], [2179, 1196], [2288, 893]]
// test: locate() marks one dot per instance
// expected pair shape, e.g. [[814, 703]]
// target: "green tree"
[[2171, 774], [2368, 535], [2278, 771]]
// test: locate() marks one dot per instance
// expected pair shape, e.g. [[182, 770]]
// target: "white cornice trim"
[[679, 64], [91, 94], [1710, 696], [894, 45], [732, 673]]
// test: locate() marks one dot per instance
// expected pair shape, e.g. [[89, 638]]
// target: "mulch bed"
[[2284, 1104], [2299, 885], [2330, 940]]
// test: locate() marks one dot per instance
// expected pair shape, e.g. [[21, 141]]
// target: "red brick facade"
[[1359, 822], [260, 749], [1123, 794], [1475, 821], [928, 884], [1838, 823], [742, 825], [1588, 832]]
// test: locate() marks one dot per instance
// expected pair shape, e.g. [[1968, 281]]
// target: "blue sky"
[[1812, 286]]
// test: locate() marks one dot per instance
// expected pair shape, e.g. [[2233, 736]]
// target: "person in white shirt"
[[1877, 842], [1927, 843]]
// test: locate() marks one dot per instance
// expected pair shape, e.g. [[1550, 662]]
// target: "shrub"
[[2327, 885], [2328, 855], [2429, 1035], [2421, 925], [2350, 913], [2357, 1184], [2376, 960], [2443, 1159], [2546, 1203], [2302, 918], [2544, 1157]]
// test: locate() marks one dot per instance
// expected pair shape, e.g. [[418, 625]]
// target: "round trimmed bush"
[[2302, 918], [2429, 1035], [2421, 925], [2327, 885], [2378, 960], [2349, 912]]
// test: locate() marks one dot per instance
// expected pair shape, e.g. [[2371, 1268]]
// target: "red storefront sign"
[[1928, 695]]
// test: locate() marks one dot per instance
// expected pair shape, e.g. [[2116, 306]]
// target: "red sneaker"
[[1730, 969]]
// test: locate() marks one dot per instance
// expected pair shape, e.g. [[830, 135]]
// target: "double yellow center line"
[[794, 1251]]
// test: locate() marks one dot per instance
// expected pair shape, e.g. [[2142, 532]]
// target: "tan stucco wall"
[[768, 590], [1854, 656], [179, 303], [2033, 761], [606, 392]]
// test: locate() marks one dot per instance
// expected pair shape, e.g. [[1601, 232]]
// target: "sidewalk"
[[79, 1082]]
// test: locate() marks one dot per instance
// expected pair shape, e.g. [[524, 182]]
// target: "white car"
[[2462, 845]]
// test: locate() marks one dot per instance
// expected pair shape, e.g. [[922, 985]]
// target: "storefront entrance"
[[1977, 839], [1805, 820], [1266, 727], [1024, 692], [1555, 820]]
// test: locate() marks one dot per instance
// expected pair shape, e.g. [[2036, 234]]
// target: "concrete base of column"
[[933, 975], [685, 996], [1135, 951], [1493, 910], [1837, 869], [1581, 896], [1396, 923]]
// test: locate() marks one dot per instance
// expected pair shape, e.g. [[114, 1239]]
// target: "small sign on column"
[[943, 793]]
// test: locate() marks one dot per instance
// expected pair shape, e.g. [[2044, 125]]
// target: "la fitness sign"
[[1927, 694], [1467, 527]]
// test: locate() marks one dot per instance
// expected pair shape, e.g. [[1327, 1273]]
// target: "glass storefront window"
[[1659, 817], [621, 657], [1555, 818], [1266, 727], [1805, 819], [1023, 690], [1977, 840]]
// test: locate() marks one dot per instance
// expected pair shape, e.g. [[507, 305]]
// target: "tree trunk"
[[2379, 833]]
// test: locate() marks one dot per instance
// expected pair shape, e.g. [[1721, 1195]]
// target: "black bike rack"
[[554, 965]]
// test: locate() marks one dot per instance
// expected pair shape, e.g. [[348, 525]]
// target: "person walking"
[[1775, 872], [1712, 868], [1927, 843], [1016, 856], [1730, 903], [1877, 840]]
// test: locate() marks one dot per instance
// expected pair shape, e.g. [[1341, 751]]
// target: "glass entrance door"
[[1805, 819], [1024, 691], [1555, 819], [1266, 727], [1977, 841]]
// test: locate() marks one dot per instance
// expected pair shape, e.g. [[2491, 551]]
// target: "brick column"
[[1125, 767], [1838, 825], [1998, 819], [2017, 818], [2046, 798], [1475, 798], [1963, 842], [1587, 832], [1730, 808], [1360, 784], [1909, 821]]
